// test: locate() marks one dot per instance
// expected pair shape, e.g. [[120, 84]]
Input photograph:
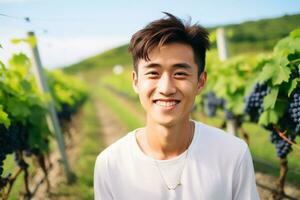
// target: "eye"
[[181, 74], [152, 74]]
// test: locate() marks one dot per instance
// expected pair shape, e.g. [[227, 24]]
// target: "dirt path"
[[56, 174], [266, 184], [112, 128]]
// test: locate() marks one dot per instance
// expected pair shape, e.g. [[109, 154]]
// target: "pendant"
[[174, 188]]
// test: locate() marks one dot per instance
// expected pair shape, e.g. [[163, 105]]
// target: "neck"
[[165, 142]]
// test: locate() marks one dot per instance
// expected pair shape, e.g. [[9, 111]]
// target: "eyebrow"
[[177, 65]]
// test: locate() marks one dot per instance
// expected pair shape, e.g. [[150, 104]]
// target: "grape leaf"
[[280, 107], [19, 61], [31, 40], [292, 85], [267, 72], [17, 40], [270, 99], [18, 108], [268, 117], [281, 72], [4, 118]]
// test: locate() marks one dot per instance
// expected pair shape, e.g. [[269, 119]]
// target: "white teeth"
[[166, 103]]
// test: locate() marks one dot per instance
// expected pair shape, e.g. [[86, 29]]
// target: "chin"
[[166, 121]]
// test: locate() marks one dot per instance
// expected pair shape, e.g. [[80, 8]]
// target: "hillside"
[[107, 59], [251, 36], [260, 35]]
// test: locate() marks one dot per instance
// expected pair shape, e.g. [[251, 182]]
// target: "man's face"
[[168, 84]]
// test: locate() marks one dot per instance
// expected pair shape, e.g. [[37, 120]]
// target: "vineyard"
[[255, 96], [264, 91], [23, 119]]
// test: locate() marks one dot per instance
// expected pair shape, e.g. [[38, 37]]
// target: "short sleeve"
[[244, 186], [102, 189]]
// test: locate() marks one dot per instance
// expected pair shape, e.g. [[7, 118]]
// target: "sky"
[[69, 31]]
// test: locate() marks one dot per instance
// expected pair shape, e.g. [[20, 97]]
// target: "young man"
[[173, 157]]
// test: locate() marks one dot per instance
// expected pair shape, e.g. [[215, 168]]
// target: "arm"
[[244, 186], [101, 181]]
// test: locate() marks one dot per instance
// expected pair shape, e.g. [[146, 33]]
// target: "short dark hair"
[[169, 30]]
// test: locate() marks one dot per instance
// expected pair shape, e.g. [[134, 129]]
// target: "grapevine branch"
[[282, 135], [11, 182], [295, 61]]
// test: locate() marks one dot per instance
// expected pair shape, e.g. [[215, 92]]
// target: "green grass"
[[108, 59], [18, 185], [10, 167], [121, 82], [123, 113]]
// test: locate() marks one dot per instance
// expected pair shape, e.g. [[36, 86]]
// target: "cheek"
[[145, 94], [188, 89], [147, 87]]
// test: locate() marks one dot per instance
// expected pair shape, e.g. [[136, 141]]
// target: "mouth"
[[166, 103]]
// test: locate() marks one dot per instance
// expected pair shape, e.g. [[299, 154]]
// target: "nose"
[[166, 85]]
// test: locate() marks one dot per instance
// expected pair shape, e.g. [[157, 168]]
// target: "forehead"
[[169, 55]]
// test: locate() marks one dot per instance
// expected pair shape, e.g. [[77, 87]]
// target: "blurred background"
[[66, 93]]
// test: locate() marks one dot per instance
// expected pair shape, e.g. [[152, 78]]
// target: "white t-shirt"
[[217, 166]]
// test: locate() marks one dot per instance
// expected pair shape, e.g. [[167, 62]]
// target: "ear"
[[201, 82], [135, 81]]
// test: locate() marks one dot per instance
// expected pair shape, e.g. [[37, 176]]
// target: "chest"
[[144, 181]]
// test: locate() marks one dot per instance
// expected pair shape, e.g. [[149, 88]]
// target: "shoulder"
[[115, 150], [219, 136], [220, 142]]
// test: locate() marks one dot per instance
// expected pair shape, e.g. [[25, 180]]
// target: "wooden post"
[[222, 44], [223, 55], [52, 119]]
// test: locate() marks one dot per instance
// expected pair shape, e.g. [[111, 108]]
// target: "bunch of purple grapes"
[[4, 150], [212, 103], [11, 140], [254, 102], [283, 148], [294, 111]]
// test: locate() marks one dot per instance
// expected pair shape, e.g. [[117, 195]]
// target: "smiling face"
[[168, 84]]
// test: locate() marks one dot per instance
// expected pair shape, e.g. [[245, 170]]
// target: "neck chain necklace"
[[186, 155]]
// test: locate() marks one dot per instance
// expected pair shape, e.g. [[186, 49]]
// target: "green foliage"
[[121, 83], [4, 117], [229, 80], [31, 40], [23, 109], [277, 72], [66, 89], [18, 92]]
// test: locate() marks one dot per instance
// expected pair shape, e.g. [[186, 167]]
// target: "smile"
[[166, 103]]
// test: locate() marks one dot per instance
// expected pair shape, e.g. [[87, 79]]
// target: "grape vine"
[[21, 107]]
